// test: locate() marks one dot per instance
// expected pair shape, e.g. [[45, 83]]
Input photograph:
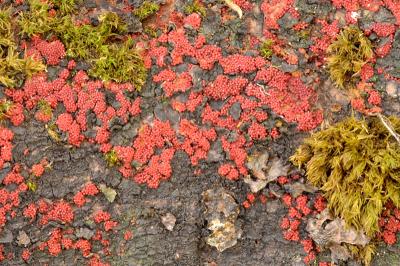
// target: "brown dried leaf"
[[23, 239], [276, 169], [331, 233], [339, 252], [296, 189], [325, 230], [257, 164], [265, 168], [255, 185]]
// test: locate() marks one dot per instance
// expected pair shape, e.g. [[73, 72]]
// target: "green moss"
[[120, 63], [6, 33], [347, 55], [356, 164], [195, 7], [102, 46], [86, 41], [36, 20], [147, 9], [32, 185], [150, 31], [5, 107], [266, 49], [45, 107], [52, 131], [365, 254], [112, 158], [64, 6], [13, 68]]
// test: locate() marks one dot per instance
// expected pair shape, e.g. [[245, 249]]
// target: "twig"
[[389, 127], [234, 7]]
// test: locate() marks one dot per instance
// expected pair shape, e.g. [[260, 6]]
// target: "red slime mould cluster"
[[197, 141], [52, 51], [223, 87], [6, 137], [173, 83], [389, 224], [207, 55], [193, 20], [63, 240], [241, 64], [105, 218], [273, 10], [244, 4], [289, 97], [13, 187], [90, 189]]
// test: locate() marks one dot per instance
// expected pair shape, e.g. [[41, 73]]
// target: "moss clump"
[[36, 20], [87, 41], [110, 60], [365, 254], [64, 6], [44, 107], [347, 55], [266, 49], [5, 107], [13, 68], [52, 132], [103, 46], [195, 7], [120, 63], [32, 185], [147, 9], [356, 164], [151, 32], [112, 158]]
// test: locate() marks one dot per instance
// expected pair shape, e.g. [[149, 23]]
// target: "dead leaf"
[[255, 185], [276, 169], [264, 169], [23, 239], [336, 108], [296, 189], [339, 252], [224, 237], [325, 230], [331, 232], [257, 164], [84, 232], [168, 221]]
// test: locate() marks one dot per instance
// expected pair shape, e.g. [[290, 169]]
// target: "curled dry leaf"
[[257, 163], [23, 239], [331, 232], [296, 189], [255, 185], [325, 230], [265, 170]]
